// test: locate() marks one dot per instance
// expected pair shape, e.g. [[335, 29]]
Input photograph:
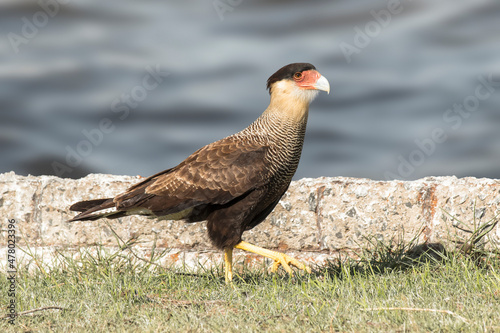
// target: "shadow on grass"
[[386, 259], [398, 256]]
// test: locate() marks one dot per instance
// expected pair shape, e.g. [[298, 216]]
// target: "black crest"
[[286, 72]]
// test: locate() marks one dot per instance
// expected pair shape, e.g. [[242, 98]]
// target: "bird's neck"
[[288, 108], [282, 124]]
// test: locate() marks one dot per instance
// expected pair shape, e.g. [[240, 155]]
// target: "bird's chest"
[[286, 153], [285, 140], [285, 162]]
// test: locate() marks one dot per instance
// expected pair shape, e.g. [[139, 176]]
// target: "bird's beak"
[[322, 84]]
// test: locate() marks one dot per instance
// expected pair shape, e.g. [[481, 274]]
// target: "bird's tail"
[[95, 209]]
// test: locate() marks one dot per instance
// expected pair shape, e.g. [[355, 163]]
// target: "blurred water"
[[73, 70]]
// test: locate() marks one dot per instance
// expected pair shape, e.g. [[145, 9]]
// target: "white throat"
[[293, 91]]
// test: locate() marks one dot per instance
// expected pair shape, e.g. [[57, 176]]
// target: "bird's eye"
[[297, 76]]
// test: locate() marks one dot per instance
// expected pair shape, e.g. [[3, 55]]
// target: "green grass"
[[391, 288]]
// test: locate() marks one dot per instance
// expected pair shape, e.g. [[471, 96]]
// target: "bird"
[[234, 183]]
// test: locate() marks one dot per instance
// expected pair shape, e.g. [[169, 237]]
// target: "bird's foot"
[[278, 257], [287, 261]]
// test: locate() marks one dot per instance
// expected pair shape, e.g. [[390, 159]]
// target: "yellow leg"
[[228, 264], [278, 257]]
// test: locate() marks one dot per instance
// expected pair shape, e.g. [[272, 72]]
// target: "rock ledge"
[[316, 218]]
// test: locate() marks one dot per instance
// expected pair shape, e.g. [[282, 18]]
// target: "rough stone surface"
[[316, 219]]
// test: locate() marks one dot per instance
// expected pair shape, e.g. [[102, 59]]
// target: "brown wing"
[[215, 174]]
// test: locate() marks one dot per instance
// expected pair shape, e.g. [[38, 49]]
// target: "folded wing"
[[214, 175]]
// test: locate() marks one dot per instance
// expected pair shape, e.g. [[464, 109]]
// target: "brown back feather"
[[215, 174]]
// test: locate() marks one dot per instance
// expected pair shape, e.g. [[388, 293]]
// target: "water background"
[[66, 77]]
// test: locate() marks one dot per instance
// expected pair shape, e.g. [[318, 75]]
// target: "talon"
[[286, 262], [274, 267]]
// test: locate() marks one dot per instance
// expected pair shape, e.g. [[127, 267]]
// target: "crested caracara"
[[233, 183]]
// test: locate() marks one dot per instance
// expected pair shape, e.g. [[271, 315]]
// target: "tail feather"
[[95, 209], [88, 204]]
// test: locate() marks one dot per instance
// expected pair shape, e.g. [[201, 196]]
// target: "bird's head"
[[297, 81]]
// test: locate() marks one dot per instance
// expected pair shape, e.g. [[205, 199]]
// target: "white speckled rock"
[[315, 219]]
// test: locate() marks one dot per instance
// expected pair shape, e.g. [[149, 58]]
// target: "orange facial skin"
[[306, 79]]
